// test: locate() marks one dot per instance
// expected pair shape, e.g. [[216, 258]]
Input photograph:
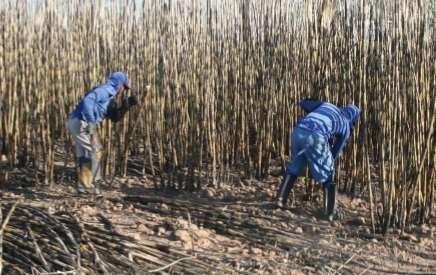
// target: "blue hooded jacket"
[[330, 121], [94, 106]]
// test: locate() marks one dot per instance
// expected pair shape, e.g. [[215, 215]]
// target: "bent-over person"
[[98, 104], [317, 140]]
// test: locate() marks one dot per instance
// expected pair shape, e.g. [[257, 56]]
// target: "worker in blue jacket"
[[317, 140], [99, 103]]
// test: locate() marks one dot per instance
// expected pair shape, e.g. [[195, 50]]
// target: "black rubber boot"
[[284, 189], [331, 202], [325, 199], [332, 212]]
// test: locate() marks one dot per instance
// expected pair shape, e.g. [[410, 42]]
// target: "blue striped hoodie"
[[332, 122]]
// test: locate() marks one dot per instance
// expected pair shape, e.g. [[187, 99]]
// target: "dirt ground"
[[235, 229]]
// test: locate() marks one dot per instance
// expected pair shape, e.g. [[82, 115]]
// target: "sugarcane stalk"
[[38, 249], [97, 260], [1, 240]]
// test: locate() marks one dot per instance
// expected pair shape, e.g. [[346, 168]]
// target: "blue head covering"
[[117, 79], [351, 113]]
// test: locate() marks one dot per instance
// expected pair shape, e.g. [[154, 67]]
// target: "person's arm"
[[310, 104], [341, 139], [116, 114]]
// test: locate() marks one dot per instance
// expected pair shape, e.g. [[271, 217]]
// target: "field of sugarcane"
[[226, 78]]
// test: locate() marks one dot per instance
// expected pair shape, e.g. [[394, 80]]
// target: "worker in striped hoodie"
[[317, 140]]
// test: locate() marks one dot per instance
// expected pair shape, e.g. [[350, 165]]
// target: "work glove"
[[132, 100], [116, 114], [126, 103]]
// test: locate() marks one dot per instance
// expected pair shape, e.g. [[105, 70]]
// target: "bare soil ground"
[[234, 229]]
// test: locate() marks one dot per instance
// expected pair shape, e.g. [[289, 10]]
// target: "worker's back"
[[326, 120]]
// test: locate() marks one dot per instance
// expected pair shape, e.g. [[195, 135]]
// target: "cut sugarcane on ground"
[[226, 78], [135, 228]]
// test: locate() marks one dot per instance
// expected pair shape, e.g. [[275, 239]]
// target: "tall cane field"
[[226, 78]]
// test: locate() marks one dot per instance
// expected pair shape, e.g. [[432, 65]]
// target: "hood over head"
[[117, 79]]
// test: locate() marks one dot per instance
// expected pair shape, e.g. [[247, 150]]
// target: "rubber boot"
[[284, 189], [331, 202], [96, 172], [85, 175]]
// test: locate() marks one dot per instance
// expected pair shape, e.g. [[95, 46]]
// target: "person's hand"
[[91, 128], [133, 100]]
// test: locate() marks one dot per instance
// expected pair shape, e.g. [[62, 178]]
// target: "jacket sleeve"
[[340, 141], [309, 104], [88, 107], [91, 99]]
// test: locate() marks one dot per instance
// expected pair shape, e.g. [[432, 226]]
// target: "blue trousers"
[[308, 148]]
